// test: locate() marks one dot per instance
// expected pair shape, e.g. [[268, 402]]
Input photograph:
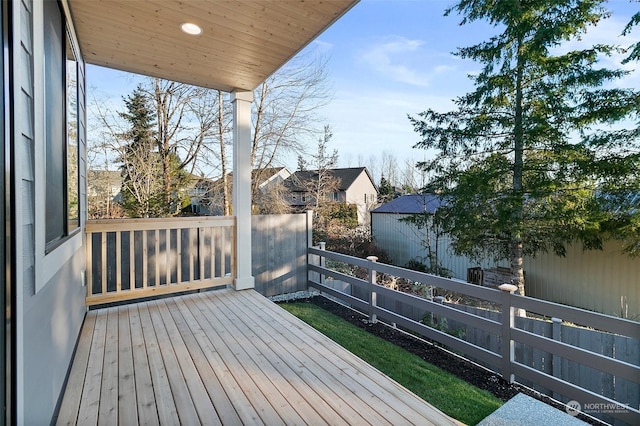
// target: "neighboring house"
[[353, 186], [44, 209], [270, 177], [207, 194], [101, 182], [604, 281], [103, 190], [199, 188]]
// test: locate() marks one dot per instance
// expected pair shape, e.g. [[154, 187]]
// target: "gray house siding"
[[52, 321], [49, 303]]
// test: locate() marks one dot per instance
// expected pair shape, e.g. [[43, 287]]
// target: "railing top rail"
[[142, 224], [340, 257], [473, 290], [579, 316]]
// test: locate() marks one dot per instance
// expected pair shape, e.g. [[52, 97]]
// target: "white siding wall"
[[355, 194], [49, 313], [404, 241]]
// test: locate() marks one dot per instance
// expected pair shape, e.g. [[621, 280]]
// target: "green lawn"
[[444, 391]]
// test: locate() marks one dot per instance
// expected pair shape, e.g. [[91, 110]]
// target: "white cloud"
[[395, 58]]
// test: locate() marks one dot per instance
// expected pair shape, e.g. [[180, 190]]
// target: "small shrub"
[[441, 324]]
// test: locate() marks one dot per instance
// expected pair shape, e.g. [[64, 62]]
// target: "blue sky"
[[390, 58]]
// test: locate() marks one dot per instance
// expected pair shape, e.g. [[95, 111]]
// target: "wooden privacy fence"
[[509, 331], [279, 252], [135, 258]]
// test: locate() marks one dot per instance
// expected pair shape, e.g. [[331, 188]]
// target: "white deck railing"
[[136, 258]]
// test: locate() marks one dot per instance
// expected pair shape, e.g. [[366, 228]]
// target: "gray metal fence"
[[581, 355]]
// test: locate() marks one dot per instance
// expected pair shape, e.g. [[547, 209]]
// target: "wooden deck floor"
[[225, 357]]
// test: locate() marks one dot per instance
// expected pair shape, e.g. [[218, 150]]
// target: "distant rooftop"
[[411, 204], [344, 176]]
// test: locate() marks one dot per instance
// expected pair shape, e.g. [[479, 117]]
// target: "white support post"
[[242, 187]]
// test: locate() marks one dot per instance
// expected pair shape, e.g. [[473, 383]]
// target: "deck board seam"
[[251, 383], [325, 373], [185, 407], [299, 403], [230, 384], [410, 407], [325, 385]]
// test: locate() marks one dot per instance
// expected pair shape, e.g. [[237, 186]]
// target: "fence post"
[[309, 225], [309, 228], [508, 322], [322, 260], [556, 334], [372, 293]]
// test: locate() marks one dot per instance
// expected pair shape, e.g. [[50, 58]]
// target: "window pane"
[[54, 122], [73, 216]]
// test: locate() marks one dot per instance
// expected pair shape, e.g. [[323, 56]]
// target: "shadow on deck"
[[225, 357]]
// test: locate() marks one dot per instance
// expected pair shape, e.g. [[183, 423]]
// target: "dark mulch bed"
[[465, 370]]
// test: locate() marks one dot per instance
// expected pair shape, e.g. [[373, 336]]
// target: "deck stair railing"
[[137, 258]]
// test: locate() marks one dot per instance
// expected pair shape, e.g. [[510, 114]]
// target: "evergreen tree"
[[518, 161], [385, 190], [140, 190], [152, 184]]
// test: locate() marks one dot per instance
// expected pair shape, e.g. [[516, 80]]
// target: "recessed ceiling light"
[[191, 28]]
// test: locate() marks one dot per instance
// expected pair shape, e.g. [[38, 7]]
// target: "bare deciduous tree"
[[187, 116], [323, 182], [286, 109]]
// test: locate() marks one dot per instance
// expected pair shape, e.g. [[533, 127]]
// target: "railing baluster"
[[212, 253], [233, 245], [179, 252], [201, 236], [118, 262], [224, 250], [191, 268], [103, 258], [145, 259], [132, 261], [167, 246], [156, 256]]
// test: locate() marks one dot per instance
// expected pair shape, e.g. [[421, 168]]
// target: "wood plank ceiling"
[[243, 41]]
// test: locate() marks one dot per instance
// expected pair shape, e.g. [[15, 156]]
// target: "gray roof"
[[411, 204], [345, 177]]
